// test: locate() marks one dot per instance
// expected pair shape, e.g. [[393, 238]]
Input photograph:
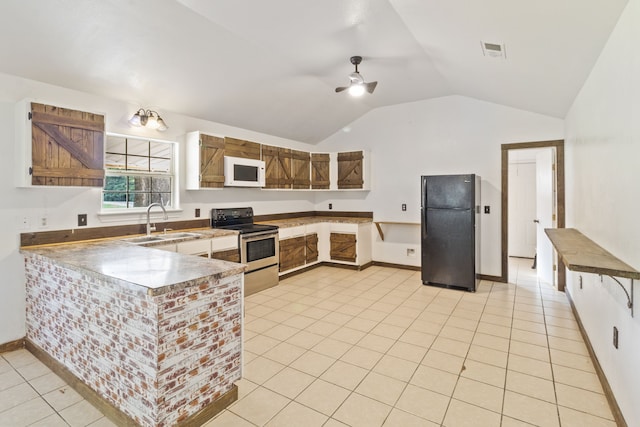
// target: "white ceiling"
[[272, 65]]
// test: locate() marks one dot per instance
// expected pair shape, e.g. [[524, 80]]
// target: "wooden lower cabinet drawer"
[[343, 247]]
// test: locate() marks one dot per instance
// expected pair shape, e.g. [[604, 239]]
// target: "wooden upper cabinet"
[[277, 167], [204, 161], [67, 147], [350, 170], [300, 169], [320, 170], [240, 148], [212, 150]]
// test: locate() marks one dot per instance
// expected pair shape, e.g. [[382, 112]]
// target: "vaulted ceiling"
[[272, 65]]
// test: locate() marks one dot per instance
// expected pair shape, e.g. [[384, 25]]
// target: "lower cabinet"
[[232, 255], [200, 247], [311, 248], [225, 248], [349, 243], [292, 253], [333, 242], [343, 247]]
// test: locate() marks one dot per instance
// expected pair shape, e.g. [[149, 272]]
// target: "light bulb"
[[356, 89], [152, 122], [136, 119]]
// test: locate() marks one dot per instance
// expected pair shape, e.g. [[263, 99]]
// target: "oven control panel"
[[230, 216]]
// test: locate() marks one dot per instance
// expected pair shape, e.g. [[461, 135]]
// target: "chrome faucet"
[[149, 227]]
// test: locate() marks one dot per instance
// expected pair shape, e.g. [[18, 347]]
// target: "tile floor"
[[334, 347]]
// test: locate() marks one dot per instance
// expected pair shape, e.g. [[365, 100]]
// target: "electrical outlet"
[[25, 222], [330, 206], [197, 213], [82, 220], [43, 221], [615, 337], [411, 252], [404, 207]]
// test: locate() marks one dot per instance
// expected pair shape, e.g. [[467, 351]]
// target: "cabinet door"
[[240, 148], [292, 253], [350, 170], [211, 161], [320, 171], [277, 166], [343, 247], [300, 169], [311, 248], [232, 255], [67, 147]]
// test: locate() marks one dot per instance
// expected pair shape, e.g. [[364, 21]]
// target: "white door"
[[522, 208], [545, 210]]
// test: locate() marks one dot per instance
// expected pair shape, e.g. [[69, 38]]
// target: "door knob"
[[537, 221]]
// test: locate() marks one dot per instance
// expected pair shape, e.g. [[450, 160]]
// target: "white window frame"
[[174, 203]]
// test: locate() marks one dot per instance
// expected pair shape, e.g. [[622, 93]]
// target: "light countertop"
[[157, 271], [295, 222]]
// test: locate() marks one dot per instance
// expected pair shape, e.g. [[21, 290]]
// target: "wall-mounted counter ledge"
[[379, 226], [579, 253]]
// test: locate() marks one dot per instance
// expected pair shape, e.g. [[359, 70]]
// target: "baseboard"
[[400, 266], [325, 264], [112, 412], [613, 404], [12, 345], [491, 278]]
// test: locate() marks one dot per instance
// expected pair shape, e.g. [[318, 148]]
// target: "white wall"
[[603, 201], [61, 205], [446, 135]]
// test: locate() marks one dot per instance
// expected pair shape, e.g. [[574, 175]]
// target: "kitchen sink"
[[143, 239], [177, 236]]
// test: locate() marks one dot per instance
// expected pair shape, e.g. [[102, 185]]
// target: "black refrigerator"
[[450, 218]]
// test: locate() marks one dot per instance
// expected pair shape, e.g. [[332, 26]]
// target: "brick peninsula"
[[154, 338]]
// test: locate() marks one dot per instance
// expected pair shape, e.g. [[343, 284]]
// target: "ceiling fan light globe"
[[356, 90]]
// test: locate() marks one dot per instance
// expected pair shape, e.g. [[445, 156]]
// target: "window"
[[138, 172]]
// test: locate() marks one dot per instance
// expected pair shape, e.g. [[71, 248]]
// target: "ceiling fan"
[[357, 86]]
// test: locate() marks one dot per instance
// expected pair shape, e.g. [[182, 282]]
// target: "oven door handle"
[[259, 235]]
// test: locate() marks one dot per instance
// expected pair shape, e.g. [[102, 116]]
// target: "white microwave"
[[239, 172]]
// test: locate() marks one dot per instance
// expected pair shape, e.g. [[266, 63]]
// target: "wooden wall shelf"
[[379, 223], [579, 253]]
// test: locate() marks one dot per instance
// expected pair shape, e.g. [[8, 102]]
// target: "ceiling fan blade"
[[340, 89], [371, 86]]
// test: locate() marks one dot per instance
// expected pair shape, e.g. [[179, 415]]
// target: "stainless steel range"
[[258, 244]]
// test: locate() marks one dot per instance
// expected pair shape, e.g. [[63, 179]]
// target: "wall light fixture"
[[148, 118]]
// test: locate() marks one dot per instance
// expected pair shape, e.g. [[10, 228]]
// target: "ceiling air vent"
[[494, 50]]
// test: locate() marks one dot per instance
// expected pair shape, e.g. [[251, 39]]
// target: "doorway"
[[512, 150]]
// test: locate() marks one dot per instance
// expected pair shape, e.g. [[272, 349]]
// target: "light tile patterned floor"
[[334, 347]]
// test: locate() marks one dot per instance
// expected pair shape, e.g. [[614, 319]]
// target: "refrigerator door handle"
[[423, 222]]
